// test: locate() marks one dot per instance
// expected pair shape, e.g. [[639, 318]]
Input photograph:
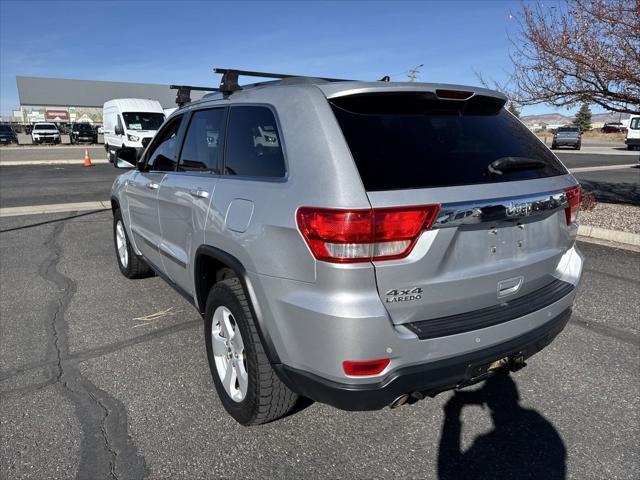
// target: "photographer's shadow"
[[522, 444]]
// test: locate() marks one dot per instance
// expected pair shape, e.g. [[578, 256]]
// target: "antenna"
[[413, 73]]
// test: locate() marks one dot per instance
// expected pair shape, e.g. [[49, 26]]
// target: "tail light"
[[349, 236], [368, 367], [573, 197]]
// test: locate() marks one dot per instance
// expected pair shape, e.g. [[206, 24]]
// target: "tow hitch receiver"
[[477, 373]]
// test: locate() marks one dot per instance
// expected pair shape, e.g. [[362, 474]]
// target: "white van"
[[130, 122], [633, 133]]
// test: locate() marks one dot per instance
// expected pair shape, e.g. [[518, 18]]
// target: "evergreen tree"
[[583, 118], [513, 108]]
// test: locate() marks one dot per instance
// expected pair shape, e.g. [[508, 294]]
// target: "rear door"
[[186, 193], [501, 228], [143, 188]]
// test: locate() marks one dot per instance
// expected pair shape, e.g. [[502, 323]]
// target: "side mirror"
[[126, 158], [118, 130]]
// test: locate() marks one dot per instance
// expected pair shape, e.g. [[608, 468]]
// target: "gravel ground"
[[613, 217]]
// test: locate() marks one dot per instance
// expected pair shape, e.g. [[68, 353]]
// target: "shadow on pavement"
[[522, 444], [606, 192]]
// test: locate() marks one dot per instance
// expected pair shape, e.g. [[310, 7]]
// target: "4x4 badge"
[[403, 295]]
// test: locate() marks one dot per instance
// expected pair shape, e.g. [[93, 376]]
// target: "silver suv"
[[361, 244]]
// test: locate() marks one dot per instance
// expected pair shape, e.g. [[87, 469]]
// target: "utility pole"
[[413, 73]]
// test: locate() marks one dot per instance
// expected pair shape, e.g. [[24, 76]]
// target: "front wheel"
[[130, 264], [247, 385]]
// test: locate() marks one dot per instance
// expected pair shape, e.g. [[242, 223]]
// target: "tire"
[[130, 264], [578, 147], [265, 397]]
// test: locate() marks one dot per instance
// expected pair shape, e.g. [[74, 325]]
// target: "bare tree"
[[579, 51]]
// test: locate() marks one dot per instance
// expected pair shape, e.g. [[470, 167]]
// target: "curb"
[[617, 236], [22, 163]]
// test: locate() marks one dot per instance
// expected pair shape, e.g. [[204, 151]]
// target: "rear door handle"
[[199, 193], [152, 186]]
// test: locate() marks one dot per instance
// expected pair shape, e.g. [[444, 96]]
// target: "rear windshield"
[[45, 126], [569, 129], [83, 126], [403, 141], [5, 128]]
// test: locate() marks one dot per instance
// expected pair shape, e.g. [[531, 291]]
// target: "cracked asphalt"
[[91, 389]]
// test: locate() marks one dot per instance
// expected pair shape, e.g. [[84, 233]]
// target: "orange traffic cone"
[[87, 159]]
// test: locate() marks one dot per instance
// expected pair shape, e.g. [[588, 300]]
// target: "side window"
[[163, 152], [253, 144], [203, 141]]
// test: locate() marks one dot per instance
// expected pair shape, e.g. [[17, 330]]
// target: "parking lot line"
[[53, 208], [602, 167]]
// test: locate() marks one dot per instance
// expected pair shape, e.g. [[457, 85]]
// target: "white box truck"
[[130, 122]]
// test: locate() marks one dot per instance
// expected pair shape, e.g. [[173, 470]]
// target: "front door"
[[143, 192]]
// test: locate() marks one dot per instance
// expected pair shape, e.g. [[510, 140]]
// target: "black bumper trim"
[[494, 315], [428, 379]]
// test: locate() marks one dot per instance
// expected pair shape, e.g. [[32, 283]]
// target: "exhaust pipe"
[[398, 402]]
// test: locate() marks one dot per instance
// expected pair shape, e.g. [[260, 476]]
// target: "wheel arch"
[[209, 262]]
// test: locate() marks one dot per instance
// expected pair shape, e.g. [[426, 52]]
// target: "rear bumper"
[[632, 141], [566, 142], [428, 379]]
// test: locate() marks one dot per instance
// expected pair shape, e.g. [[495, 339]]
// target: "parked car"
[[83, 133], [632, 139], [613, 127], [7, 135], [361, 244], [45, 133], [568, 136], [130, 122]]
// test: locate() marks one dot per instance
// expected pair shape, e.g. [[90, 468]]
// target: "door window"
[[162, 154], [202, 147], [254, 148]]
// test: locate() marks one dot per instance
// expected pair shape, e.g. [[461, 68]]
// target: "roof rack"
[[184, 93], [229, 82]]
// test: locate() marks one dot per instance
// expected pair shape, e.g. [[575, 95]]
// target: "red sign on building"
[[59, 115]]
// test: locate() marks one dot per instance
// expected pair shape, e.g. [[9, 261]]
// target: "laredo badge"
[[404, 295]]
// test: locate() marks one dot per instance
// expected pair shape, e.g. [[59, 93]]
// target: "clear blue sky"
[[179, 42]]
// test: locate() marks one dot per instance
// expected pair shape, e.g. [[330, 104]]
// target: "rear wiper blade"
[[514, 164]]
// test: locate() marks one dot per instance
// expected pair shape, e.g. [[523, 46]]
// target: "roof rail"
[[184, 93], [229, 82]]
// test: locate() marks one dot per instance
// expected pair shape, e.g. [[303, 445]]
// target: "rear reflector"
[[348, 236], [573, 197], [368, 367]]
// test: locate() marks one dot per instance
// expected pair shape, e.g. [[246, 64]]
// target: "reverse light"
[[573, 197], [349, 236], [364, 368]]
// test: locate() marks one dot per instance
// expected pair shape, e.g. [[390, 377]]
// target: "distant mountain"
[[559, 119]]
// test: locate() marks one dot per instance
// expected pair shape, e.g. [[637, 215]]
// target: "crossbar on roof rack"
[[184, 93], [229, 82]]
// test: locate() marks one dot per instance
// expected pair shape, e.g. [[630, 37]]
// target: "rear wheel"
[[247, 385], [130, 264]]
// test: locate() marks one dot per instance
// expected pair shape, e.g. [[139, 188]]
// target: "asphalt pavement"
[[93, 387], [53, 184]]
